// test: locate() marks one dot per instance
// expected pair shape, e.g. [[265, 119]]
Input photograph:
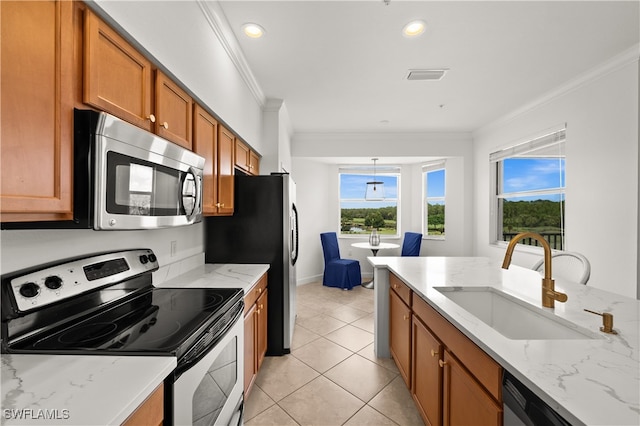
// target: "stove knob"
[[152, 257], [29, 290], [144, 259], [53, 282]]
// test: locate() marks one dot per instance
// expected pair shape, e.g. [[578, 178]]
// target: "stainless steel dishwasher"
[[523, 407]]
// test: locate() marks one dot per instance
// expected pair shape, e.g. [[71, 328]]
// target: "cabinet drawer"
[[400, 288], [252, 295], [481, 365]]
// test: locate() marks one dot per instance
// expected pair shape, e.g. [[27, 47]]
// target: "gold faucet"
[[549, 294]]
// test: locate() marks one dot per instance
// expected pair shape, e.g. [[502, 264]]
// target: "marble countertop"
[[77, 390], [592, 381], [216, 275]]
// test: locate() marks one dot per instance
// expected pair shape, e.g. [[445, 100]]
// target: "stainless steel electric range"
[[105, 303]]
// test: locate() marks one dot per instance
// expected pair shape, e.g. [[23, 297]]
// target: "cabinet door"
[[117, 78], [426, 374], [242, 156], [465, 401], [261, 329], [205, 137], [254, 163], [173, 111], [226, 144], [400, 335], [250, 364], [36, 126], [150, 412]]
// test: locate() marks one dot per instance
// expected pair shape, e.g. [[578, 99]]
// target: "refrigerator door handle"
[[294, 235]]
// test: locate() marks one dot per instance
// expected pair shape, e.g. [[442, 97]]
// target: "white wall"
[[601, 111], [23, 249], [316, 177]]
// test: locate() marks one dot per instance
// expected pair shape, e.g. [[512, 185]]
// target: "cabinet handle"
[[258, 311], [261, 306], [219, 205], [165, 125], [151, 118], [259, 290], [434, 353], [441, 363], [395, 286], [405, 317]]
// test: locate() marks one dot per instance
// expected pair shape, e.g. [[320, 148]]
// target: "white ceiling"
[[340, 65]]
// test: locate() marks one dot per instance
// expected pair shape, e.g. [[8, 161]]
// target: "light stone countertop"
[[591, 381], [77, 390], [216, 275]]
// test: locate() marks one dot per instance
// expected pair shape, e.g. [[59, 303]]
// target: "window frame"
[[367, 170], [426, 169], [549, 139]]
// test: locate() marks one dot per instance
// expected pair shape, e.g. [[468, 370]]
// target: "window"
[[359, 215], [434, 199], [529, 195]]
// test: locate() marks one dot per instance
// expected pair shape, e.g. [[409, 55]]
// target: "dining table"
[[374, 249]]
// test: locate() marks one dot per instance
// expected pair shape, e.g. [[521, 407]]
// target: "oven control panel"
[[54, 283]]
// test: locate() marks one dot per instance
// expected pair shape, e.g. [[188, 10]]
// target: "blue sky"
[[353, 186], [527, 174], [435, 183]]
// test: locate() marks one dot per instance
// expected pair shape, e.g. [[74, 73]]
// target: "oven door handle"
[[192, 359]]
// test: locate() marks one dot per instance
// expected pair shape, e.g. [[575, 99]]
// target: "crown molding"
[[221, 28], [620, 60]]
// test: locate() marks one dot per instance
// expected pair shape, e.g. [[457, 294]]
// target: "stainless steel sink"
[[512, 317]]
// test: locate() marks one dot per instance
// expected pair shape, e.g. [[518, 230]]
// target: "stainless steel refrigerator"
[[263, 229]]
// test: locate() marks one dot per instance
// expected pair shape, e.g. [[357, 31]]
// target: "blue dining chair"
[[411, 244], [341, 273]]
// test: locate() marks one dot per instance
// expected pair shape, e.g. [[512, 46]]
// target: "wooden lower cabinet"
[[426, 373], [261, 329], [150, 412], [400, 335], [452, 380], [250, 372], [255, 331], [465, 401]]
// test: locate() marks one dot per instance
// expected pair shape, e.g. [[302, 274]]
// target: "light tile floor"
[[332, 376]]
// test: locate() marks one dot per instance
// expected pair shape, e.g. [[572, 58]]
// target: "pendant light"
[[375, 188]]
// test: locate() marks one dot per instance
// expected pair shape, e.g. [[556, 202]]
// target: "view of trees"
[[537, 216], [435, 219], [362, 220]]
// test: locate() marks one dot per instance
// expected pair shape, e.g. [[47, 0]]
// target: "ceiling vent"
[[426, 74]]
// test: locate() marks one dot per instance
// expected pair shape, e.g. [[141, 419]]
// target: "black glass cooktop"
[[157, 321]]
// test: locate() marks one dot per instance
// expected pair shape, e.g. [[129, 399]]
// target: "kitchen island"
[[595, 380]]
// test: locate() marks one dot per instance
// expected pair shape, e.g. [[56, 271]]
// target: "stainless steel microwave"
[[126, 178]]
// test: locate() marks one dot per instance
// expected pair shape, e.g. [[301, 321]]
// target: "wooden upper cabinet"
[[246, 159], [117, 78], [242, 156], [205, 143], [36, 122], [254, 163], [226, 145], [173, 108]]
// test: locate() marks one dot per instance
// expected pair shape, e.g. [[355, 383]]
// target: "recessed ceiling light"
[[253, 30], [414, 28]]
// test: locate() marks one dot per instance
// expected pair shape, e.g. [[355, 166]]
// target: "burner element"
[[87, 333]]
